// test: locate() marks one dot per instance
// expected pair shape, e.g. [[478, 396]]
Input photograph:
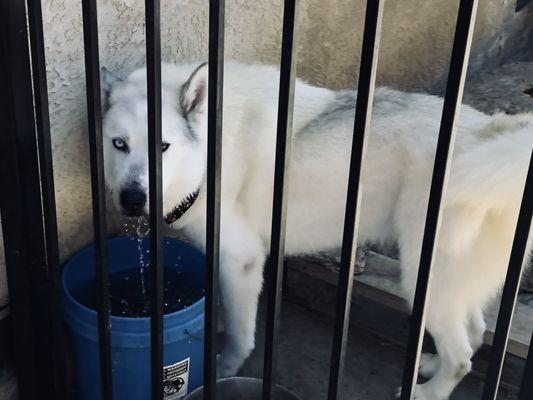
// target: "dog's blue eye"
[[120, 144], [164, 146]]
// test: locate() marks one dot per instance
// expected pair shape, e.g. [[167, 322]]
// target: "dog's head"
[[125, 135]]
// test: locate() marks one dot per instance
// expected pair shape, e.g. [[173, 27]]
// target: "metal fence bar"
[[526, 391], [363, 112], [214, 157], [16, 257], [94, 113], [510, 290], [281, 182], [42, 122], [452, 103], [12, 211], [24, 239], [153, 70]]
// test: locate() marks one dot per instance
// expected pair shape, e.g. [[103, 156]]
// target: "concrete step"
[[380, 282]]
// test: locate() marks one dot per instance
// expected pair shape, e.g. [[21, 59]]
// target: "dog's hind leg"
[[241, 279], [451, 334], [430, 363]]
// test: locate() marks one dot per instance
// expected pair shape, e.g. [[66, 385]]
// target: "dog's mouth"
[[182, 208]]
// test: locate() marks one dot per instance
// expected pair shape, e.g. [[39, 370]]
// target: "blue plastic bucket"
[[130, 337]]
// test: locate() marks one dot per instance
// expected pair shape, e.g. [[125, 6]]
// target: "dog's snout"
[[133, 200]]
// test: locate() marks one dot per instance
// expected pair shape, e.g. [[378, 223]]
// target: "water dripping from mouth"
[[139, 228]]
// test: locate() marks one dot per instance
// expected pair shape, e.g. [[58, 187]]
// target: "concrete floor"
[[373, 365]]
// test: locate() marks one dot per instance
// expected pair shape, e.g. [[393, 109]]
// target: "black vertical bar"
[[281, 182], [94, 113], [214, 157], [11, 212], [452, 104], [526, 391], [12, 209], [42, 120], [363, 112], [21, 207], [153, 71], [510, 290]]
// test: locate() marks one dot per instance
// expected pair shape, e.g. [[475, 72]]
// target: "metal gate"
[[28, 210]]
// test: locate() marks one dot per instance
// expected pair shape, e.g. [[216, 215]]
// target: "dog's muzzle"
[[133, 201], [182, 208]]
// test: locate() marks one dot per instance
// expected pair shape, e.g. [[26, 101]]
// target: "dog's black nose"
[[133, 201]]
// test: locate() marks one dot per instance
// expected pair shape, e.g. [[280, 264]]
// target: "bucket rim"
[[71, 302]]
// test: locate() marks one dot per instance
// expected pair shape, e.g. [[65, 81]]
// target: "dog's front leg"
[[241, 279]]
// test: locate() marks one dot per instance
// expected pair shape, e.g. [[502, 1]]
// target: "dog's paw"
[[429, 364], [420, 393], [428, 391]]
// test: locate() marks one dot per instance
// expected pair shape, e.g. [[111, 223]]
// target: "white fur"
[[486, 183]]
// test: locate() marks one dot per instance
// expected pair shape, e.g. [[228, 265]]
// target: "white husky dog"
[[485, 188]]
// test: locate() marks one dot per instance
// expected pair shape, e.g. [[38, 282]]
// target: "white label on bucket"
[[176, 380]]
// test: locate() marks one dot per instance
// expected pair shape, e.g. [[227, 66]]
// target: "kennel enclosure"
[[28, 208]]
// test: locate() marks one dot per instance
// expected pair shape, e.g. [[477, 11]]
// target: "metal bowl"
[[240, 388]]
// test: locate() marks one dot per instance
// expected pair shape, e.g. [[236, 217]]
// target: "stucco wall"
[[414, 55]]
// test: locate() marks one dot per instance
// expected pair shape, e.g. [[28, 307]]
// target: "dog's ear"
[[193, 93], [108, 80]]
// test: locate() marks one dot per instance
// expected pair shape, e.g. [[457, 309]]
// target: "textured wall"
[[414, 54]]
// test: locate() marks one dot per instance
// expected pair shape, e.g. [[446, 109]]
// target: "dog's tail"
[[490, 176]]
